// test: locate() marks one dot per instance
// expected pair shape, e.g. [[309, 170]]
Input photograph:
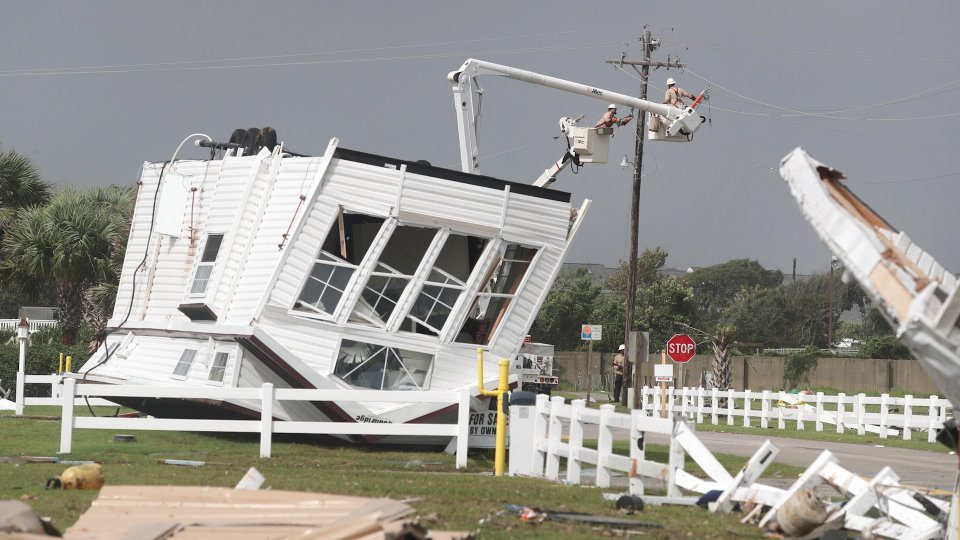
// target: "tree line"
[[61, 247], [738, 306]]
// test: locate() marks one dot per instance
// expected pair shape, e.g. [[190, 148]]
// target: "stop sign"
[[681, 348]]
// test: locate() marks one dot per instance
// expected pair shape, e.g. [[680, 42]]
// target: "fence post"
[[801, 407], [840, 411], [715, 401], [575, 442], [746, 408], [781, 423], [674, 462], [907, 416], [66, 415], [701, 402], [670, 405], [553, 439], [819, 422], [684, 402], [604, 446], [861, 415], [463, 428], [539, 432], [884, 412], [933, 415], [266, 419], [637, 453], [730, 407], [765, 409]]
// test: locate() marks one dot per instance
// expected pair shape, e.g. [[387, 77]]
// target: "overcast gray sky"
[[373, 74]]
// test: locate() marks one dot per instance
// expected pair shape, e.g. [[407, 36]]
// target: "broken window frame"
[[450, 282], [325, 258], [203, 265], [387, 351], [383, 270], [497, 326], [187, 358]]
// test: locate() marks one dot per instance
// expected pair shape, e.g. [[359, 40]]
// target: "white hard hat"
[[622, 347], [670, 81], [612, 106]]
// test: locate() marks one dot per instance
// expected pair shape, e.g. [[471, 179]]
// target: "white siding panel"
[[536, 221], [526, 304], [451, 203], [303, 251], [362, 188], [294, 179], [253, 374]]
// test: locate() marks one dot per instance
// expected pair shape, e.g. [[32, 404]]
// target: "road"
[[915, 467]]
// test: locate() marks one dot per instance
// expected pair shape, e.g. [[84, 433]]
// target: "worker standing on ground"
[[618, 373], [674, 95], [609, 118]]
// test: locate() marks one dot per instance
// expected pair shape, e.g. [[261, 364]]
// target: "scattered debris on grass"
[[78, 477]]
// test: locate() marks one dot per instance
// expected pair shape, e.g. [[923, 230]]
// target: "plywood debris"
[[181, 513]]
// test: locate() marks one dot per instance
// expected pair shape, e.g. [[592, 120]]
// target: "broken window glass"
[[399, 261], [184, 363], [492, 301], [445, 284], [379, 367], [343, 249], [205, 267]]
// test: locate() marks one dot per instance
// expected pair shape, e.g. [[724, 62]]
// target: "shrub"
[[887, 347], [798, 367], [43, 358]]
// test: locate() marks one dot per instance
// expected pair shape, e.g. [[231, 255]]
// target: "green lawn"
[[459, 499]]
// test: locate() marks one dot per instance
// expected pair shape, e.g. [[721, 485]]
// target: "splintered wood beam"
[[861, 211], [343, 236]]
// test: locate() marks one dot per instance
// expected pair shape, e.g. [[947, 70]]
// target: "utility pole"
[[644, 70]]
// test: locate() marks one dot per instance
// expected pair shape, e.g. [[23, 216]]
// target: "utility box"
[[592, 145]]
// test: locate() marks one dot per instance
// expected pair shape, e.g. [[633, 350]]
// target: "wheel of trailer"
[[252, 144], [239, 136]]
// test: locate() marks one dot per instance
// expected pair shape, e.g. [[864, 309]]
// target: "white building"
[[348, 270]]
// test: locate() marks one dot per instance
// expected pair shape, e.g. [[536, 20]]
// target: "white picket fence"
[[265, 425], [895, 416], [537, 445], [55, 382], [35, 324]]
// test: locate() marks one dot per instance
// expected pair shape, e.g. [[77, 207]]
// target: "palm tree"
[[67, 244], [20, 186]]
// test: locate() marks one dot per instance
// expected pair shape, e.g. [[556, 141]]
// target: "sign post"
[[681, 349], [590, 333]]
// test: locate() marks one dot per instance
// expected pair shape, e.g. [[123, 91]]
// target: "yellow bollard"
[[60, 370], [69, 361], [500, 453]]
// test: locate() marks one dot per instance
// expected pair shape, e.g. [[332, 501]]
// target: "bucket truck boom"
[[589, 145]]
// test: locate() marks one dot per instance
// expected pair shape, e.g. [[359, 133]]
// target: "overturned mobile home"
[[342, 271]]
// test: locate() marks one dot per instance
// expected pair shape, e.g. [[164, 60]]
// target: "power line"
[[806, 34], [811, 52], [305, 54]]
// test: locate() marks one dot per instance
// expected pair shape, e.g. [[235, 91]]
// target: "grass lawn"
[[444, 497], [829, 433]]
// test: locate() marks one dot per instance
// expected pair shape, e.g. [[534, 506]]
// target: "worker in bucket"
[[674, 95], [609, 118], [618, 372]]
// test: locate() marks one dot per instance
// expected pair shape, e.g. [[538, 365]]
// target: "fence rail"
[[266, 425], [894, 416], [35, 324]]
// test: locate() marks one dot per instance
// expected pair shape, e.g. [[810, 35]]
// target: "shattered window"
[[445, 284], [379, 367], [219, 367], [185, 363], [348, 241], [399, 261], [491, 303], [201, 279]]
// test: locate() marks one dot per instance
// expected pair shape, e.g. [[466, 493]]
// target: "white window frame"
[[213, 366], [427, 380], [450, 282], [201, 264], [193, 360]]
